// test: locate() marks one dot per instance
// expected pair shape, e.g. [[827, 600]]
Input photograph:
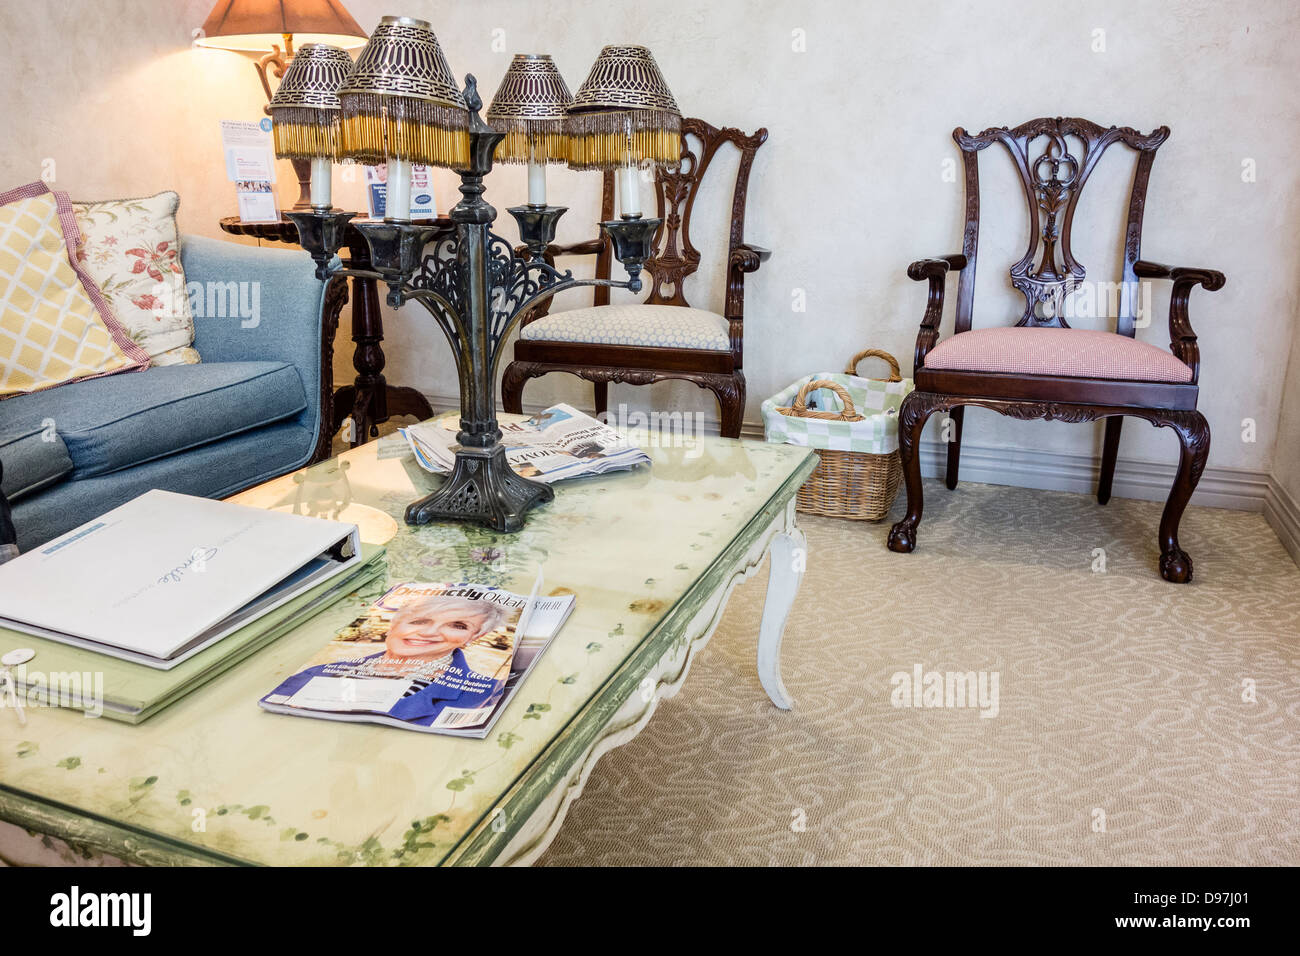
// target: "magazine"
[[553, 445], [437, 657]]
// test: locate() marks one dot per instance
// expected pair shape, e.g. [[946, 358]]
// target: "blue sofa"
[[251, 410]]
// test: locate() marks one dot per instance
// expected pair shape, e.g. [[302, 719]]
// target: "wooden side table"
[[369, 400]]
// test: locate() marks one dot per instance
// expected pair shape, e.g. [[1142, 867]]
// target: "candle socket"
[[320, 232], [634, 242], [537, 226], [396, 249]]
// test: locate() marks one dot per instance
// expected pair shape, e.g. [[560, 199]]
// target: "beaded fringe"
[[374, 128], [521, 134], [603, 140], [303, 133]]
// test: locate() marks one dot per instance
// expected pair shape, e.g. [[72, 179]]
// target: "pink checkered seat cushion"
[[1075, 353]]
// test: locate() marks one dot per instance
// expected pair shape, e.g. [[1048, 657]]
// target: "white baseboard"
[[1282, 513], [1053, 471], [1234, 488]]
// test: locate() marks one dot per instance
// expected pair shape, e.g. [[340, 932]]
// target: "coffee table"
[[652, 555]]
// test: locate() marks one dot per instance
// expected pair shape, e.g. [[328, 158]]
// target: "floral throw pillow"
[[132, 249]]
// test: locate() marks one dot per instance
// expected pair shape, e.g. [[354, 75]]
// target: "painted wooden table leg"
[[789, 558]]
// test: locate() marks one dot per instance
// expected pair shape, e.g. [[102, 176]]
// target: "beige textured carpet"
[[1121, 737]]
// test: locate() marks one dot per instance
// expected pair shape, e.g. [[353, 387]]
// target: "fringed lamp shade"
[[530, 108], [623, 111], [401, 102], [305, 109]]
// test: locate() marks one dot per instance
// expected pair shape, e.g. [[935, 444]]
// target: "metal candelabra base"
[[484, 489]]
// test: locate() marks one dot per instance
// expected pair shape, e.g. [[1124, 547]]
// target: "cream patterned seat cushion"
[[658, 326]]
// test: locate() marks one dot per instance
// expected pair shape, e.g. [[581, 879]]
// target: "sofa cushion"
[[32, 457], [55, 326], [1075, 353], [113, 423], [132, 249]]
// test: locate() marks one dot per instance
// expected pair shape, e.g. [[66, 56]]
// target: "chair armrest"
[[1182, 338], [939, 266], [1209, 279], [936, 271], [254, 304], [744, 258], [589, 247], [747, 257]]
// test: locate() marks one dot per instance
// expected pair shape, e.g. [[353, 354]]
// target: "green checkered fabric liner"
[[878, 401]]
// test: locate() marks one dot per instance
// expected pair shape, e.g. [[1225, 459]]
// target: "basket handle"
[[799, 409], [895, 370]]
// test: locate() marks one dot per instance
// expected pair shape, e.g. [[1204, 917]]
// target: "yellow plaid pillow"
[[55, 326]]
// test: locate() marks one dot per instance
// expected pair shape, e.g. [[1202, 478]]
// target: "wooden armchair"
[[1041, 368], [663, 338]]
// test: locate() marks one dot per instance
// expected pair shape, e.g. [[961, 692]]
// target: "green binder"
[[133, 693]]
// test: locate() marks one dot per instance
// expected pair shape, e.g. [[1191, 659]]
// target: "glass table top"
[[217, 778]]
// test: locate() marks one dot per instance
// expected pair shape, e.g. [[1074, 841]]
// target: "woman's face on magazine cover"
[[431, 631]]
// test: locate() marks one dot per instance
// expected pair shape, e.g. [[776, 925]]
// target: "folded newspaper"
[[438, 657], [553, 445]]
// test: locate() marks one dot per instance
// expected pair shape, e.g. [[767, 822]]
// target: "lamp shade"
[[623, 112], [257, 25], [530, 107], [305, 109], [400, 100]]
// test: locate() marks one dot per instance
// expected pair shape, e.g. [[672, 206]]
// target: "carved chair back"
[[1054, 158], [675, 191]]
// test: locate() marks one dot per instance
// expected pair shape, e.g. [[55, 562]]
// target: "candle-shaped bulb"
[[536, 175], [397, 192], [629, 190], [322, 172]]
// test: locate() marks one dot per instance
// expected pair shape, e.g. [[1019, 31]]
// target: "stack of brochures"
[[556, 444], [437, 657]]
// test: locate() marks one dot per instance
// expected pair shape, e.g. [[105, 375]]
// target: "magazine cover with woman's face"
[[426, 654]]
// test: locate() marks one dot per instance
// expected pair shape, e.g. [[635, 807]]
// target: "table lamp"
[[261, 26], [400, 106], [305, 114], [622, 116]]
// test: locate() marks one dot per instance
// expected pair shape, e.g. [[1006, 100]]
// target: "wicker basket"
[[848, 484]]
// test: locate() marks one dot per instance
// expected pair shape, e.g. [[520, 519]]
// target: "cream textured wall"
[[860, 100]]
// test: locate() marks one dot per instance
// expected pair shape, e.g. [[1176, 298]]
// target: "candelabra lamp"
[[398, 105]]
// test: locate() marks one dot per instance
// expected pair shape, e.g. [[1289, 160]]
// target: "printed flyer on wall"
[[437, 657]]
